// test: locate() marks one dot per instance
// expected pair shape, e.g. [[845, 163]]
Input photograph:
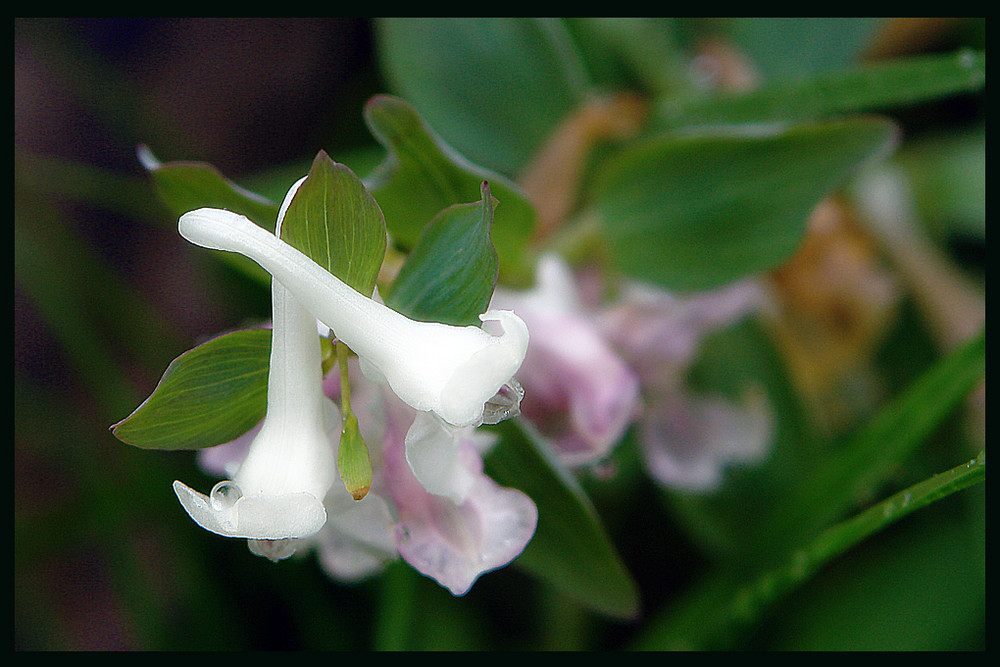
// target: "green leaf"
[[187, 186], [729, 598], [495, 88], [209, 395], [625, 53], [698, 210], [570, 549], [421, 176], [450, 275], [784, 46], [868, 87], [334, 221], [947, 175]]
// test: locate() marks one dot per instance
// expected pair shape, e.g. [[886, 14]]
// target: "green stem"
[[345, 384]]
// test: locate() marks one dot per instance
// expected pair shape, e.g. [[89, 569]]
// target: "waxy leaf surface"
[[333, 220], [450, 274], [209, 395]]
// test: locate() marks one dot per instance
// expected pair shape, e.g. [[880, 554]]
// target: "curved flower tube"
[[276, 496], [448, 370]]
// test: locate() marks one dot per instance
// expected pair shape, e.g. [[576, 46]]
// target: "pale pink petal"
[[659, 334], [456, 543], [689, 441], [577, 391]]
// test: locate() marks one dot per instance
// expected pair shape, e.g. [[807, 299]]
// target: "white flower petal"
[[271, 517], [432, 453], [451, 371]]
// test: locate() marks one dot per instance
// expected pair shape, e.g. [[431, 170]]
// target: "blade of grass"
[[725, 611]]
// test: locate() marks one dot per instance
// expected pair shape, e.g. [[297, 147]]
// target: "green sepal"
[[353, 460]]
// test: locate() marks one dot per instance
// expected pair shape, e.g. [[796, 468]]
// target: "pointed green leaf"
[[698, 210], [186, 186], [209, 395], [450, 275], [494, 88], [571, 549], [422, 176], [723, 608], [868, 87], [334, 221], [875, 452]]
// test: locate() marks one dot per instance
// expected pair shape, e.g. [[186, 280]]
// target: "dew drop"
[[224, 495], [505, 404], [274, 550]]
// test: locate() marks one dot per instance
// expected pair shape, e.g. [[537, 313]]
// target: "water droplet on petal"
[[274, 550], [224, 495], [505, 404]]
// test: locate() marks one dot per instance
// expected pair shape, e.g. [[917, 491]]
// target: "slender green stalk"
[[345, 382]]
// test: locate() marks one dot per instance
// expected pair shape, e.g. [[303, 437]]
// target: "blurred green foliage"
[[107, 294]]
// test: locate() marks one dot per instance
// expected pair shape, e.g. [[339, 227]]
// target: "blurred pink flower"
[[591, 372], [578, 391], [687, 440]]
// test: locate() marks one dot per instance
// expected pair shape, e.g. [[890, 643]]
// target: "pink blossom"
[[579, 392], [687, 440]]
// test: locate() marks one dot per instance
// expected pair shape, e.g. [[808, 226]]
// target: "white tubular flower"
[[448, 370], [277, 493]]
